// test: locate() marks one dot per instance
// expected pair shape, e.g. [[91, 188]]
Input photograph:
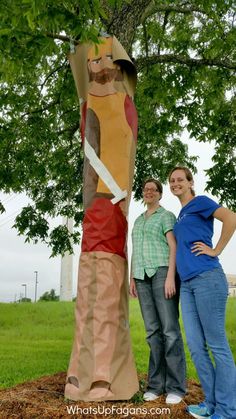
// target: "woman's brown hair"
[[157, 183]]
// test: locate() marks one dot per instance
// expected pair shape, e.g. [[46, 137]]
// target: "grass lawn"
[[36, 339]]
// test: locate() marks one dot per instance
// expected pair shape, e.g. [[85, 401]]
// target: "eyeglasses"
[[150, 190]]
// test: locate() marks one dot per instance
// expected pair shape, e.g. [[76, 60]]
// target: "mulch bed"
[[44, 398]]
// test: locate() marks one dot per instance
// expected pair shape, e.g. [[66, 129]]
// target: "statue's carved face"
[[101, 67]]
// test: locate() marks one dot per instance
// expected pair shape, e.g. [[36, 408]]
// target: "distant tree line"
[[49, 296]]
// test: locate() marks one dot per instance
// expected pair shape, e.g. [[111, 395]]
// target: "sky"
[[20, 260]]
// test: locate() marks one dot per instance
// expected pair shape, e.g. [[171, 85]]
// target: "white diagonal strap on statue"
[[104, 173]]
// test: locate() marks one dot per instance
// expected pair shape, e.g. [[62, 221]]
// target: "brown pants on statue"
[[101, 350]]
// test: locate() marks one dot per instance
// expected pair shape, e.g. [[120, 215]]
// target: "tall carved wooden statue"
[[101, 364]]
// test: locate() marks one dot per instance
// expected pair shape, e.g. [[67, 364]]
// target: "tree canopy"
[[49, 296], [185, 56]]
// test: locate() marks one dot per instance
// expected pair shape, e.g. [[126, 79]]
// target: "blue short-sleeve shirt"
[[195, 223]]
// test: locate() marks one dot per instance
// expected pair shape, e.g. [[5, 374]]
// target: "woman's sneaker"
[[148, 396], [173, 398], [199, 411]]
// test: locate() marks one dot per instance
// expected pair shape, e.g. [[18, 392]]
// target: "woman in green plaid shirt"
[[153, 280]]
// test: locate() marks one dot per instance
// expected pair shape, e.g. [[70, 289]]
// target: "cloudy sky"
[[19, 260]]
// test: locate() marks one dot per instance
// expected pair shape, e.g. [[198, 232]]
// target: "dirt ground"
[[43, 398]]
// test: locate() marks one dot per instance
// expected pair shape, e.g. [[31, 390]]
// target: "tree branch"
[[40, 110], [142, 62], [163, 30], [154, 7], [52, 72], [145, 39]]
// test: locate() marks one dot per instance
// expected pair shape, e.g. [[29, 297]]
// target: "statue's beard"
[[104, 76]]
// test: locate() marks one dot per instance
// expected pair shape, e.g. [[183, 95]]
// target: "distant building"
[[232, 285]]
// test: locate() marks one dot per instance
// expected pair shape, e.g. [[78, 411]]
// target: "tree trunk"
[[123, 22]]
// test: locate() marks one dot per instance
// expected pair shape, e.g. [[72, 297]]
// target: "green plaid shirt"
[[150, 247]]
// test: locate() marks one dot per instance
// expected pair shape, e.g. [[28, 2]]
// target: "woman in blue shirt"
[[204, 291]]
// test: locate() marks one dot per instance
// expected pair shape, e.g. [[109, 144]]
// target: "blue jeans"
[[203, 302], [166, 372]]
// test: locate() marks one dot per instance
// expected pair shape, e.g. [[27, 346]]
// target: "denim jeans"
[[203, 302], [166, 372]]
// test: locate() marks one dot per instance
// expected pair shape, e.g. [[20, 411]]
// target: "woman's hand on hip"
[[200, 248]]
